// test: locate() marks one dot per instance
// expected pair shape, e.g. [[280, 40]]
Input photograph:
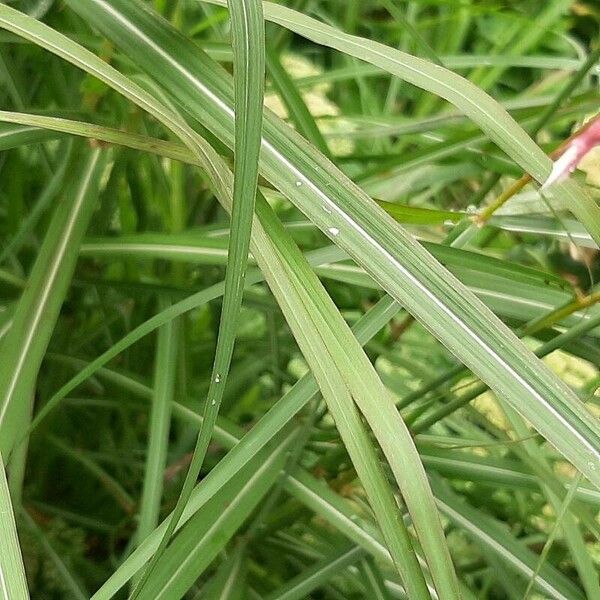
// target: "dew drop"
[[326, 209], [298, 183], [217, 378], [214, 402], [471, 209], [448, 223], [333, 231]]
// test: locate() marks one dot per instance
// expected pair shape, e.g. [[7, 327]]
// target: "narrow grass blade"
[[317, 575], [13, 584], [488, 533], [278, 271], [248, 38], [452, 463], [567, 516], [281, 413], [298, 111], [41, 205], [373, 579], [165, 372], [34, 319], [467, 97], [109, 135], [13, 136], [209, 530], [76, 589], [228, 583]]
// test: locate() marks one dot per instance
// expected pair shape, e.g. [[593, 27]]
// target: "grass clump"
[[276, 283]]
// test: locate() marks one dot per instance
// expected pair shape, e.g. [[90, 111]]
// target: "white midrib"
[[52, 274]]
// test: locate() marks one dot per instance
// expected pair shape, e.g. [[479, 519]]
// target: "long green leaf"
[[13, 584], [490, 534], [165, 372], [565, 519], [247, 447], [249, 71], [209, 530], [467, 97], [298, 111], [328, 344], [510, 290], [76, 589], [12, 136], [34, 319], [317, 575]]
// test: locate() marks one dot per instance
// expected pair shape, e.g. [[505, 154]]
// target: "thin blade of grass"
[[165, 372], [248, 39], [373, 579], [489, 533], [244, 449], [39, 306], [15, 136], [317, 575], [467, 97], [75, 587], [40, 207], [13, 583], [566, 518], [491, 117], [297, 109], [205, 535]]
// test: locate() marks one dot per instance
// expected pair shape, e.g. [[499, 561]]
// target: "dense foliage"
[[357, 400]]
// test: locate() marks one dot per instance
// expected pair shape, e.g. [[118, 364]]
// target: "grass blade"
[[298, 111], [160, 420], [207, 532], [34, 319], [362, 450], [467, 97], [161, 85], [14, 136], [490, 534], [317, 575], [76, 589], [249, 72], [13, 584]]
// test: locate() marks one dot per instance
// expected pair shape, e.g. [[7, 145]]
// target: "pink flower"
[[574, 150]]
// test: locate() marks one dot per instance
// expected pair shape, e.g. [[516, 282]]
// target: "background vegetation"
[[356, 411]]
